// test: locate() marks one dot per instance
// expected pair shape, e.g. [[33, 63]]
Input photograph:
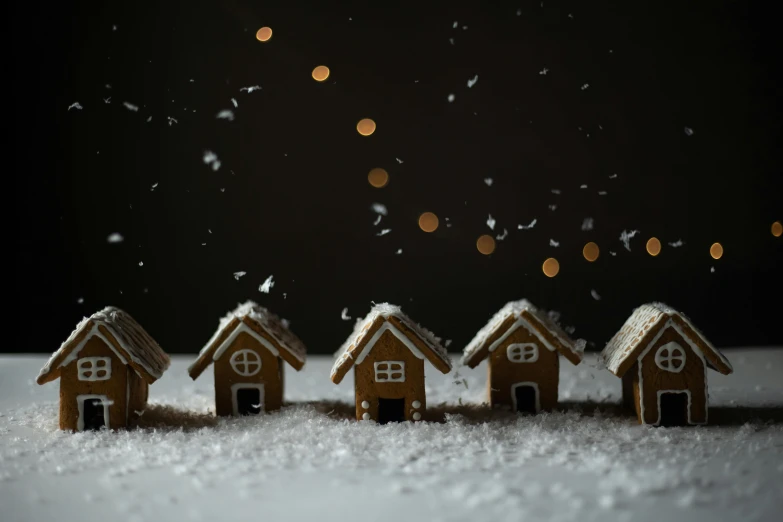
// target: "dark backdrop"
[[291, 197]]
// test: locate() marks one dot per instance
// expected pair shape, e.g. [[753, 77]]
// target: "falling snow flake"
[[585, 86], [552, 207], [154, 186], [501, 237], [556, 191], [107, 100], [450, 97], [626, 236], [383, 232], [688, 131], [379, 208], [527, 227], [344, 315], [250, 89], [141, 263], [267, 285], [491, 222], [595, 295], [677, 244], [583, 186], [543, 71], [488, 181], [399, 160], [172, 121], [80, 300], [225, 115], [238, 275], [554, 243], [399, 251], [587, 224], [75, 105], [131, 107], [210, 158], [377, 221], [472, 81], [234, 101], [602, 193], [115, 237]]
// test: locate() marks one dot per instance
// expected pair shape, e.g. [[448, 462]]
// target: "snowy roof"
[[423, 339], [627, 345], [513, 315], [132, 344], [259, 321]]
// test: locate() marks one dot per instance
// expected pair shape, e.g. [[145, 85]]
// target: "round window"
[[246, 362], [670, 357]]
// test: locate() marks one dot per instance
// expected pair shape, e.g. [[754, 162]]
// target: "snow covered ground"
[[311, 462]]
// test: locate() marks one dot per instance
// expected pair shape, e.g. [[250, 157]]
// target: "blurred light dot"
[[378, 178], [653, 246], [320, 73], [591, 251], [485, 244], [365, 127], [716, 250], [264, 34], [777, 229], [428, 222], [551, 267]]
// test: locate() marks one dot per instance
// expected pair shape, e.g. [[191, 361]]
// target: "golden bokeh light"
[[428, 222], [653, 246], [716, 250], [365, 127], [378, 178], [264, 34], [551, 267], [485, 244], [591, 251], [777, 229], [320, 73]]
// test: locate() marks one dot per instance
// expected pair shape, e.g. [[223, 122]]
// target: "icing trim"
[[398, 334], [242, 327], [521, 321], [94, 332], [243, 386]]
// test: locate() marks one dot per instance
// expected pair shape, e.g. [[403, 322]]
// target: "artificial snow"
[[450, 98], [225, 115], [267, 285], [587, 224], [676, 244], [380, 209], [543, 71], [595, 295], [488, 181], [75, 105], [501, 237], [491, 222], [554, 243], [383, 232], [626, 236], [250, 89], [131, 107], [115, 237], [472, 81], [688, 131], [238, 275], [344, 315], [527, 227], [210, 158], [234, 101], [556, 191]]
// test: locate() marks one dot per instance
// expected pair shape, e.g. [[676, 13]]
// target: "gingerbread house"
[[522, 345], [249, 351], [387, 351], [105, 368], [662, 360]]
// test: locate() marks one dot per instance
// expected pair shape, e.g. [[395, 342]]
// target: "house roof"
[[627, 345], [423, 340], [129, 341], [259, 321], [507, 319]]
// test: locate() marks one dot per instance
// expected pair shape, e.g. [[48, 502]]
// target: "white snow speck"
[[75, 105], [712, 270], [107, 100], [626, 236], [399, 251], [379, 208], [472, 81], [613, 176], [556, 191], [501, 237], [688, 131], [172, 121], [519, 12], [399, 160], [583, 186], [80, 300], [552, 207], [451, 41], [267, 285], [554, 243], [344, 315], [587, 224], [455, 24], [677, 244], [377, 221], [250, 89], [602, 193], [527, 227], [239, 274], [131, 107], [543, 71], [225, 115], [383, 232], [613, 253], [488, 181], [491, 222], [595, 295], [585, 86], [450, 97], [141, 263], [210, 158], [115, 237], [234, 101], [154, 186]]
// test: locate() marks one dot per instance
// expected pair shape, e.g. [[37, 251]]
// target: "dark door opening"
[[526, 399], [248, 401], [92, 413], [391, 410], [673, 409]]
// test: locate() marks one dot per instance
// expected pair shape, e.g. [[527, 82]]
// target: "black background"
[[291, 197]]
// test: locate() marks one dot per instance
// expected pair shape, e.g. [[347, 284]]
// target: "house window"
[[522, 352], [246, 362], [390, 371], [670, 357], [94, 368]]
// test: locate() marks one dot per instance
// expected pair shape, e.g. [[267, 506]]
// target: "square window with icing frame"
[[390, 371]]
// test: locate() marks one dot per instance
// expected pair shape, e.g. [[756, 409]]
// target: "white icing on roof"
[[515, 308], [132, 338], [386, 310], [271, 324], [624, 342]]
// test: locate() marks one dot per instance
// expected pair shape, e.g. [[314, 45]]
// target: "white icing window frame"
[[675, 352], [522, 352], [89, 365], [235, 362], [384, 371]]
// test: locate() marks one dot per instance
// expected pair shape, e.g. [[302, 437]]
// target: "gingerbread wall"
[[503, 373], [269, 376], [389, 348], [113, 388], [692, 378]]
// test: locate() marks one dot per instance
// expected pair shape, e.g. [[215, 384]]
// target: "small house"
[[522, 346], [105, 368], [662, 360], [387, 351], [249, 351]]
